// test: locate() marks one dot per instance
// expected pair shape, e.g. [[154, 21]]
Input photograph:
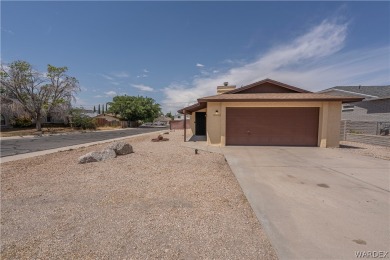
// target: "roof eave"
[[343, 100]]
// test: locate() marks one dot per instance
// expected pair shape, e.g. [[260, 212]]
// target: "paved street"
[[34, 144]]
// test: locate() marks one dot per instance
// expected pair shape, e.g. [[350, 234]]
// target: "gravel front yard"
[[381, 152], [162, 201]]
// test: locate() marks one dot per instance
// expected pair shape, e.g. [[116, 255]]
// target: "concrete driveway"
[[316, 203]]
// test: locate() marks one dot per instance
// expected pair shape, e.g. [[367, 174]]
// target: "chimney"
[[225, 88]]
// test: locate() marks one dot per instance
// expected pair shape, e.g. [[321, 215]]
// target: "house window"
[[347, 108], [48, 119], [2, 120]]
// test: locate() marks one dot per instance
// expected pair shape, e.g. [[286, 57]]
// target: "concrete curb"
[[66, 148]]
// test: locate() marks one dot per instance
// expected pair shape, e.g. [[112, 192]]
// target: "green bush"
[[84, 122], [22, 122]]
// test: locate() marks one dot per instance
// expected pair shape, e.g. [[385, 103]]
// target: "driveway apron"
[[316, 203]]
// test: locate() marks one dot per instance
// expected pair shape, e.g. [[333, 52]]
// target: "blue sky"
[[176, 52]]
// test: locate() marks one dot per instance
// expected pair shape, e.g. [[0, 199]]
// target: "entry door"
[[200, 123]]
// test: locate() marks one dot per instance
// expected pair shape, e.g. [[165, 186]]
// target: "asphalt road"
[[34, 144]]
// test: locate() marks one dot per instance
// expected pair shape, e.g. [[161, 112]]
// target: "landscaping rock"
[[159, 139], [97, 156], [107, 154], [121, 148], [90, 157]]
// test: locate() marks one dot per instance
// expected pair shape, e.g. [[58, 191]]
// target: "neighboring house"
[[11, 109], [108, 117], [90, 113], [162, 120], [180, 117], [374, 107], [268, 112], [4, 121]]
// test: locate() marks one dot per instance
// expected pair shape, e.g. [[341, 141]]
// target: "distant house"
[[108, 117], [374, 107], [11, 109], [162, 120], [90, 113], [181, 117]]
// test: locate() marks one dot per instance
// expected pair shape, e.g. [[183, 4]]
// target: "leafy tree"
[[135, 108], [103, 109], [38, 94], [94, 109], [99, 109], [169, 114]]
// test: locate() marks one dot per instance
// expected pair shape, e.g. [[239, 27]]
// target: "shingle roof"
[[277, 97], [374, 91], [238, 90]]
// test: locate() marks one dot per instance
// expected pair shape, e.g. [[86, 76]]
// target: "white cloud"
[[142, 76], [7, 31], [142, 87], [312, 61], [111, 93], [199, 65], [107, 77], [98, 96], [121, 74], [146, 71]]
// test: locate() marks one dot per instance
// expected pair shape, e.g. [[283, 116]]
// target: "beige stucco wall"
[[329, 120]]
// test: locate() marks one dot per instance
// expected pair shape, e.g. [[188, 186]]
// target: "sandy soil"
[[162, 201]]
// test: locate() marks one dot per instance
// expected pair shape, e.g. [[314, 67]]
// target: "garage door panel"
[[272, 126]]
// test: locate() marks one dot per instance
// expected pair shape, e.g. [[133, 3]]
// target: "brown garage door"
[[272, 126]]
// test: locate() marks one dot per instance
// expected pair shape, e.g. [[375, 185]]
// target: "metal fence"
[[376, 133]]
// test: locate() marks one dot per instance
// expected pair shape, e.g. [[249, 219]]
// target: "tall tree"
[[103, 109], [169, 114], [94, 109], [135, 108], [99, 109], [38, 93]]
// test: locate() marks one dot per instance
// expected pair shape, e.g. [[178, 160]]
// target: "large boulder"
[[121, 148], [97, 156], [107, 154]]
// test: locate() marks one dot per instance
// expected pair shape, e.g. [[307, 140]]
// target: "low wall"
[[179, 124], [369, 139]]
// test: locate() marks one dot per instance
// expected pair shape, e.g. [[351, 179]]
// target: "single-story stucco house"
[[270, 113]]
